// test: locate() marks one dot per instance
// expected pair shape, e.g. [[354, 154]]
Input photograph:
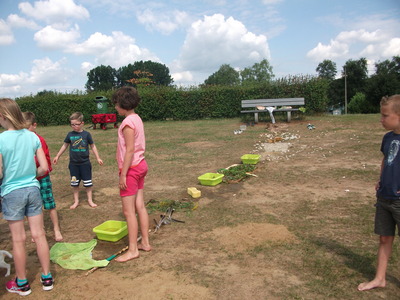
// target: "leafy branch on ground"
[[237, 173], [162, 205]]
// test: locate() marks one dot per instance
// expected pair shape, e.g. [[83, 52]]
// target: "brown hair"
[[29, 117], [11, 111], [126, 97], [394, 100], [76, 116]]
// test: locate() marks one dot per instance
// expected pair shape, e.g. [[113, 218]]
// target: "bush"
[[359, 105], [161, 103]]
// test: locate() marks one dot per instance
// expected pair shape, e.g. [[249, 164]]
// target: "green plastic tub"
[[111, 230], [210, 179]]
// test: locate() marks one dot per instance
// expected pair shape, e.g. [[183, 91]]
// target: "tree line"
[[354, 86]]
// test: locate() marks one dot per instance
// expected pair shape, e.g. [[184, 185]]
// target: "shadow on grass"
[[363, 264]]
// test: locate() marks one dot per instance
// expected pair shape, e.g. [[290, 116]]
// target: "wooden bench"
[[266, 103]]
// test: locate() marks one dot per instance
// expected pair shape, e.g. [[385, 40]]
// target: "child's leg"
[[128, 208], [144, 221], [37, 229], [75, 191], [89, 193], [384, 251], [18, 236], [56, 226]]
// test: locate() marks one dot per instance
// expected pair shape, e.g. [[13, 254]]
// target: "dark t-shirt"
[[390, 177], [79, 147]]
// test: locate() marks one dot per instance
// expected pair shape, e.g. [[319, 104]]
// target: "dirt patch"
[[247, 236]]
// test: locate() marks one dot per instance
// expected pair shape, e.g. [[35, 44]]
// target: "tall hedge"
[[161, 103]]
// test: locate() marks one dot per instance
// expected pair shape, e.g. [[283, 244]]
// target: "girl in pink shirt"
[[132, 170]]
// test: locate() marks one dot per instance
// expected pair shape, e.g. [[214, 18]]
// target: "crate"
[[111, 230], [210, 179], [250, 159]]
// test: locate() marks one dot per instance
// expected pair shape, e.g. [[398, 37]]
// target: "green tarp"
[[76, 256]]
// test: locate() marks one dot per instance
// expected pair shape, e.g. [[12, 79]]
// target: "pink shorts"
[[135, 179]]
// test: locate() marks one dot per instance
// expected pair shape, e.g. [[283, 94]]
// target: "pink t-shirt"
[[134, 122]]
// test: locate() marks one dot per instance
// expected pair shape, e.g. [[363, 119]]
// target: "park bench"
[[257, 106]]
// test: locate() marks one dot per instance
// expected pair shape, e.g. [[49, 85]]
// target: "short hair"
[[29, 117], [394, 100], [76, 116], [11, 111], [126, 97]]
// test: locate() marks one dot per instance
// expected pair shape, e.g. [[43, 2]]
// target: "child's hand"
[[122, 182], [377, 185], [100, 161], [55, 160]]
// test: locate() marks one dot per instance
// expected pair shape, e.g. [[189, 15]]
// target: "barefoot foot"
[[127, 256], [365, 286], [144, 248], [73, 206], [58, 236], [92, 204]]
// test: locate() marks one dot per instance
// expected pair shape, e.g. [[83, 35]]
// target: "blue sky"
[[52, 44]]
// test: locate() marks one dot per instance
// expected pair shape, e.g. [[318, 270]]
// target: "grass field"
[[301, 229]]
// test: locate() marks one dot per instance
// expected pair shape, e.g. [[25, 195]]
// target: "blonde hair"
[[29, 117], [394, 100], [11, 111], [76, 116]]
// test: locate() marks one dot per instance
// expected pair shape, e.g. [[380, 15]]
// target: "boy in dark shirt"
[[387, 215], [80, 167]]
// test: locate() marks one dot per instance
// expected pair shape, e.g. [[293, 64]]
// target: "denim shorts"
[[387, 217], [22, 202]]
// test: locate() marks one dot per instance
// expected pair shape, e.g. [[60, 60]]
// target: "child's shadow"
[[362, 264]]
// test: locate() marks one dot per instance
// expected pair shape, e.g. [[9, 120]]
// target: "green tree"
[[101, 78], [327, 69], [226, 75], [356, 74], [160, 73], [388, 67], [259, 73]]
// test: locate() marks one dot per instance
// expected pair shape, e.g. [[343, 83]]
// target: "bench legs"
[[289, 117], [255, 117]]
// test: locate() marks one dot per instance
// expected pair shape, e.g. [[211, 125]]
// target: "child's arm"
[[94, 149], [1, 166], [377, 185], [43, 165], [62, 149], [129, 136]]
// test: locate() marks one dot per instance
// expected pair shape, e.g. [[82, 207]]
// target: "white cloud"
[[19, 22], [44, 74], [9, 81], [47, 72], [166, 23], [374, 46], [215, 40], [116, 50], [360, 36], [271, 2], [54, 10], [333, 50], [51, 38], [393, 48], [6, 35]]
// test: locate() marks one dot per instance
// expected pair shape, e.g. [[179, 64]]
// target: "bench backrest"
[[273, 102]]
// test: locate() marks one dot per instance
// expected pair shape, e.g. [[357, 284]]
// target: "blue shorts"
[[22, 202], [81, 172]]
